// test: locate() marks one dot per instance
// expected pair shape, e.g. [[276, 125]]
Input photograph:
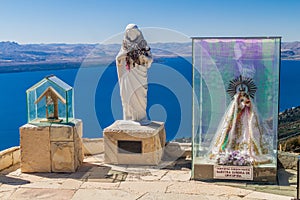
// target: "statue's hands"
[[143, 60]]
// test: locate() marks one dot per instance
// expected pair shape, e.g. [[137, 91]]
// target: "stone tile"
[[10, 180], [42, 193], [155, 175], [168, 196], [30, 177], [110, 177], [45, 183], [5, 193], [8, 187], [99, 185], [144, 187], [133, 177], [104, 194], [71, 184], [82, 176], [198, 188], [261, 195], [176, 175]]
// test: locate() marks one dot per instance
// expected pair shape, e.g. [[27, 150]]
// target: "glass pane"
[[235, 109], [50, 102], [59, 82]]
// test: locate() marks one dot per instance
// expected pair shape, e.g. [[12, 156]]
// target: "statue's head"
[[243, 100], [132, 32]]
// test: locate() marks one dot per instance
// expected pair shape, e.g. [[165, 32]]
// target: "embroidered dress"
[[239, 137]]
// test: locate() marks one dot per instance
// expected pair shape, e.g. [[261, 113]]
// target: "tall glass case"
[[235, 108], [50, 101]]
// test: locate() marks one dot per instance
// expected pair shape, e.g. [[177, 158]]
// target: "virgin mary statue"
[[133, 61], [239, 137]]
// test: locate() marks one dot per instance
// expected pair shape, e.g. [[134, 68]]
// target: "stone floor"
[[170, 180]]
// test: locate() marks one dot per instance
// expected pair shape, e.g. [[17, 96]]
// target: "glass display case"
[[235, 108], [50, 101]]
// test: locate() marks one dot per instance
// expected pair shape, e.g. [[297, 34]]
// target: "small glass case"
[[50, 101]]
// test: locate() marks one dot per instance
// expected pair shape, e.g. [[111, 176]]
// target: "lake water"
[[97, 100]]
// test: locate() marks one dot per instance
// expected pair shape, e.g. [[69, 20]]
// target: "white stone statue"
[[133, 62]]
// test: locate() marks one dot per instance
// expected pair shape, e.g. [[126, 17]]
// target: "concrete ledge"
[[92, 146], [175, 150], [9, 157]]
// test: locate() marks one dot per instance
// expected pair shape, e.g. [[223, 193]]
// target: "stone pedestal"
[[51, 148], [126, 142]]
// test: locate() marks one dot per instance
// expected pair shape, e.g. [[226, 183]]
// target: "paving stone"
[[104, 194], [173, 175], [71, 184], [168, 196], [154, 176], [99, 185], [144, 187], [261, 195], [5, 192], [48, 184], [93, 181], [9, 180], [82, 176], [194, 187], [42, 193]]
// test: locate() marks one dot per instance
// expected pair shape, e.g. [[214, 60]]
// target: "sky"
[[94, 21]]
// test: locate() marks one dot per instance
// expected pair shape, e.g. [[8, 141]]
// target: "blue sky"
[[92, 21]]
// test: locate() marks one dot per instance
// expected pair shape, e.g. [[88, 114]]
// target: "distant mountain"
[[290, 50], [14, 54]]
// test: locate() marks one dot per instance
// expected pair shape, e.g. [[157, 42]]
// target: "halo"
[[242, 84]]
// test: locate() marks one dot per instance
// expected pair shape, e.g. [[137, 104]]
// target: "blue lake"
[[98, 104]]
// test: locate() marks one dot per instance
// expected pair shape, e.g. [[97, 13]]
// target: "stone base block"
[[260, 174], [35, 148], [126, 142], [52, 148]]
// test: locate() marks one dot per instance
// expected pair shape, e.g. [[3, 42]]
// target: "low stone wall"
[[93, 146], [288, 160], [9, 157]]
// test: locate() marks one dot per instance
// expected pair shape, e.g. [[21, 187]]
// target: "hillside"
[[14, 54], [289, 123], [290, 50]]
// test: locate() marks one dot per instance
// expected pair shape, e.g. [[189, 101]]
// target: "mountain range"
[[12, 53], [14, 56]]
